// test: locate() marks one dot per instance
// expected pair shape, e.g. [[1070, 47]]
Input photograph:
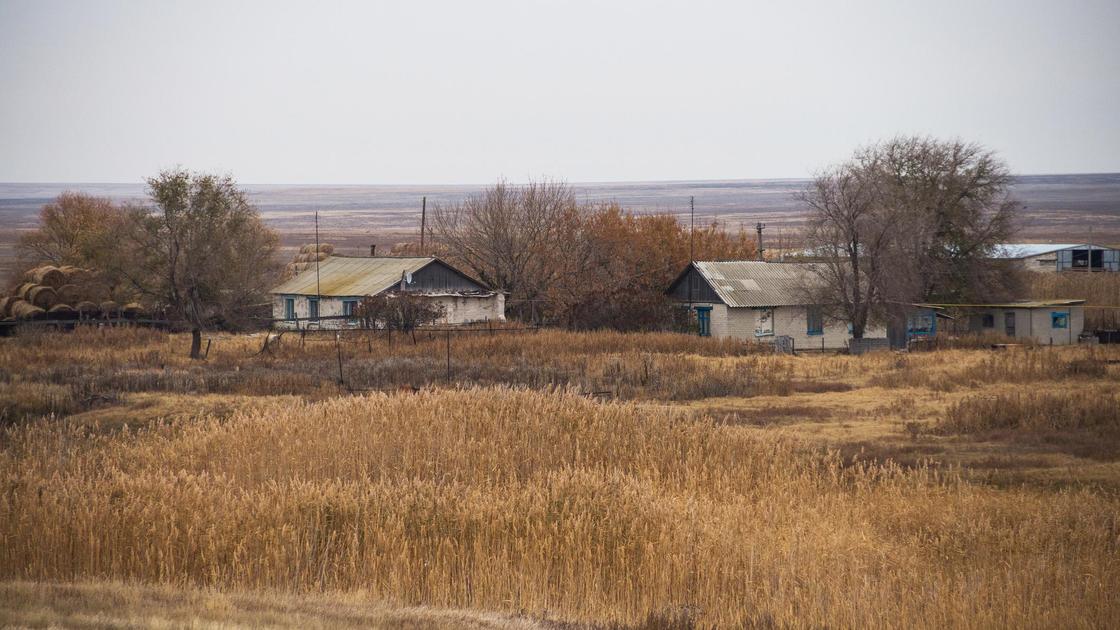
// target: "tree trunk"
[[196, 343]]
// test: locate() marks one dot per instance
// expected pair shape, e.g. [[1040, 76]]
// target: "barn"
[[324, 298], [1053, 257], [761, 301]]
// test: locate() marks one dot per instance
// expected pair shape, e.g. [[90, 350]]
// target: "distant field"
[[1058, 207]]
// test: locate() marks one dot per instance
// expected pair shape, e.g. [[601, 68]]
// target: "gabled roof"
[[1027, 250], [341, 276], [752, 283]]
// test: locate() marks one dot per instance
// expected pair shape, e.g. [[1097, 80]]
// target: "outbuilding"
[[761, 301], [1057, 322], [1053, 257], [326, 296]]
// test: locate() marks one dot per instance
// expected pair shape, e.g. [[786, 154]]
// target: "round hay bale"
[[42, 296], [48, 275], [25, 311], [326, 248], [132, 309], [68, 293], [74, 275], [109, 308], [85, 307], [320, 257], [22, 290], [62, 311], [307, 249], [5, 302]]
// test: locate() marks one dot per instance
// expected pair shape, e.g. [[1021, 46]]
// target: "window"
[[313, 308], [814, 320], [988, 320], [289, 308], [764, 325], [348, 307], [921, 324], [704, 321], [1059, 320]]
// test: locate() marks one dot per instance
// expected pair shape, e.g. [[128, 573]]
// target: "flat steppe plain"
[[556, 479]]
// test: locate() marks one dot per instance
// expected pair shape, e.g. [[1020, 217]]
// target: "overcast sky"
[[470, 91]]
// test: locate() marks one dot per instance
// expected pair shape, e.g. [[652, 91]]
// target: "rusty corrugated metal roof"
[[752, 283], [342, 276]]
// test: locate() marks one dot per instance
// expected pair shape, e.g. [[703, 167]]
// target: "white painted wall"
[[458, 309], [791, 321], [1036, 323]]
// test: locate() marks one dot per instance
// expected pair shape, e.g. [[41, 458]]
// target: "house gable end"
[[438, 276], [701, 289]]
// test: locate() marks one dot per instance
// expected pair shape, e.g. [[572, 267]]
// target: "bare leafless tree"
[[848, 234], [500, 235], [909, 220], [955, 202]]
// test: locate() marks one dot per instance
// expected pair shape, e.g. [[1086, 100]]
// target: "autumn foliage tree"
[[576, 264], [75, 229]]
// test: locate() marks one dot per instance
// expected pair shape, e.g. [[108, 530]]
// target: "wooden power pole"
[[423, 221]]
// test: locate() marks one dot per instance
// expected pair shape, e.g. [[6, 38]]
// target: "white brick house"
[[754, 300], [325, 297]]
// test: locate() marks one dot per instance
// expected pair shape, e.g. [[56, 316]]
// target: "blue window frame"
[[313, 308], [814, 320], [704, 321], [289, 308], [1059, 320], [348, 307], [921, 324]]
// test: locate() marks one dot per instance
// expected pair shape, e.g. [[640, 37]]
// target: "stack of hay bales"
[[25, 311], [67, 292], [306, 258]]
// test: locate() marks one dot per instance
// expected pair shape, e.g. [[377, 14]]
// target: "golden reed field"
[[558, 480]]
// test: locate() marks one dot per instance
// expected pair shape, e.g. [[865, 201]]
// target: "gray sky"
[[467, 92]]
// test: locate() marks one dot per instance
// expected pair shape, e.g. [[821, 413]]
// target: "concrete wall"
[[1032, 323], [790, 321], [458, 309]]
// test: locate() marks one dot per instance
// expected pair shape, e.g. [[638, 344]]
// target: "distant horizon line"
[[460, 185]]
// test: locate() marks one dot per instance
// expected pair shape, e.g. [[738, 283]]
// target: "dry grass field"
[[556, 480]]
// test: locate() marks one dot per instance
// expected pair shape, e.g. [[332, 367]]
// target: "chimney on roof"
[[373, 250]]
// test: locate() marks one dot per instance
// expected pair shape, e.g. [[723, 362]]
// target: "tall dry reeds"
[[552, 505], [1035, 411], [1097, 289]]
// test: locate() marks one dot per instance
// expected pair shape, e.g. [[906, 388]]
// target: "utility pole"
[[691, 248], [318, 291], [423, 221], [692, 229], [758, 228]]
